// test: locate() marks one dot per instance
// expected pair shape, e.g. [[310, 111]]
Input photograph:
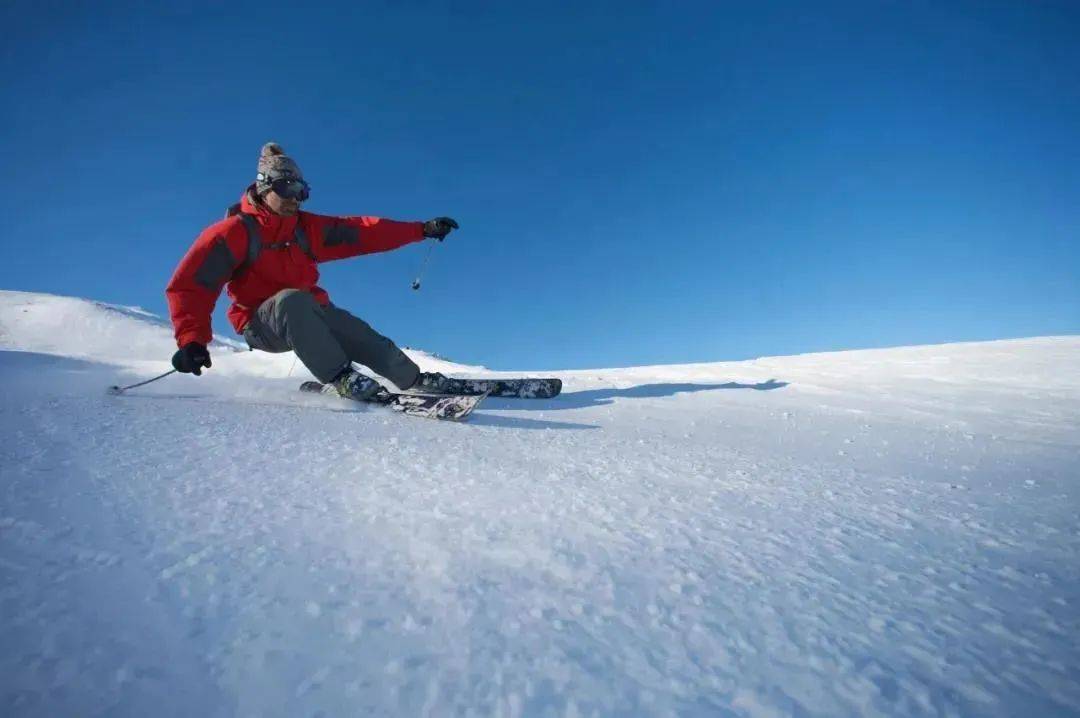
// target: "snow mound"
[[85, 329]]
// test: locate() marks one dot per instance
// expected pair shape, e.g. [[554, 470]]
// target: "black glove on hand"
[[439, 227], [191, 359]]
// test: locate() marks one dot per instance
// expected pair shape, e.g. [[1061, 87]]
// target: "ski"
[[445, 407], [524, 388]]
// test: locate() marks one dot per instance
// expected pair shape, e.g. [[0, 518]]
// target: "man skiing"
[[266, 255]]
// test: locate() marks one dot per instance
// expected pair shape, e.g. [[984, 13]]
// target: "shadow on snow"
[[603, 397]]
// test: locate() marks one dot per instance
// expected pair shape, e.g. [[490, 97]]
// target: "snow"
[[887, 532]]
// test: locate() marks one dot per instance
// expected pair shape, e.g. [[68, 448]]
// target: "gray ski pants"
[[327, 339]]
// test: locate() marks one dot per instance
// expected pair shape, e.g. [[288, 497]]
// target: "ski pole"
[[423, 267], [122, 389]]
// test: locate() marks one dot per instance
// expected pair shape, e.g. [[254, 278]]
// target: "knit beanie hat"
[[274, 164]]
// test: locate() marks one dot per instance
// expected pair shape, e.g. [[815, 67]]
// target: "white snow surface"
[[887, 532]]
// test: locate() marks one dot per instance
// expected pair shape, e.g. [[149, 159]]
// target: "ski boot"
[[432, 383], [351, 384]]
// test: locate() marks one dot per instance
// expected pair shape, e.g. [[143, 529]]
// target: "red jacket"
[[222, 247]]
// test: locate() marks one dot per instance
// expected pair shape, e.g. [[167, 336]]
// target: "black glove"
[[191, 359], [439, 227]]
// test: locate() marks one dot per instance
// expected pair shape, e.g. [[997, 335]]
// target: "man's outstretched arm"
[[342, 237]]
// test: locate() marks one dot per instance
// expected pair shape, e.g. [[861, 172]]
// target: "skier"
[[265, 253]]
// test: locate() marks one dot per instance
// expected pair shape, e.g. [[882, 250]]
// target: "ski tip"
[[458, 408], [468, 406]]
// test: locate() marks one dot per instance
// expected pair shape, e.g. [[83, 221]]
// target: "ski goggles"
[[290, 188]]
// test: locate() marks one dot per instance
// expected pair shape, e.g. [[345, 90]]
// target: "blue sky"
[[636, 182]]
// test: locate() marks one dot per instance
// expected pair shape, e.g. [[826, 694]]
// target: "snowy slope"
[[888, 532], [81, 328]]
